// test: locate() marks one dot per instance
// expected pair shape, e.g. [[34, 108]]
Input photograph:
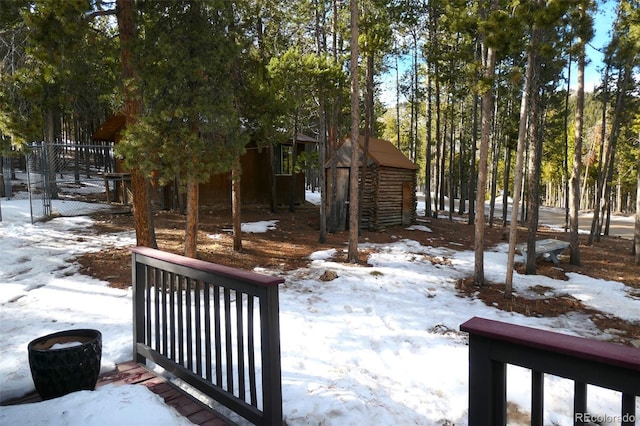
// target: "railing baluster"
[[198, 328], [188, 306], [156, 303], [227, 339], [180, 290], [500, 392], [217, 334], [579, 402], [148, 318], [252, 351], [207, 329], [172, 316], [240, 344], [164, 312], [537, 398], [629, 410]]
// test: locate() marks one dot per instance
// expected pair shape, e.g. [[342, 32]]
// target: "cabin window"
[[284, 159]]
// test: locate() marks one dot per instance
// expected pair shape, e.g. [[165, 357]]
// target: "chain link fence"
[[61, 178]]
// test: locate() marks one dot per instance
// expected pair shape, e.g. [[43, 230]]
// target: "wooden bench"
[[550, 247]]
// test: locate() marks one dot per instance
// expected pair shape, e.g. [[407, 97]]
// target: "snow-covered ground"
[[377, 345]]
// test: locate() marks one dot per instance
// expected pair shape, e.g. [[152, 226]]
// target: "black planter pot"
[[59, 371]]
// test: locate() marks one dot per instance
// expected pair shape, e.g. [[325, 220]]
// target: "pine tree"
[[190, 128]]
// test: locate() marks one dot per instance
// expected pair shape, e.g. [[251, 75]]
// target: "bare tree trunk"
[[191, 229], [567, 193], [623, 84], [352, 253], [439, 194], [604, 141], [428, 154], [574, 206], [533, 177], [474, 148], [517, 182], [322, 146], [505, 184], [487, 112], [636, 235], [397, 103], [452, 152], [236, 205], [272, 178], [321, 47], [142, 213], [294, 173], [461, 176]]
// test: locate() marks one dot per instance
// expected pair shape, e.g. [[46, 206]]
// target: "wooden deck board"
[[130, 373]]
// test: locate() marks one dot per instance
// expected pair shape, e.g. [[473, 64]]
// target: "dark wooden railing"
[[215, 327], [494, 344]]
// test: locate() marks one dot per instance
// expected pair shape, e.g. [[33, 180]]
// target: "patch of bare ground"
[[297, 236]]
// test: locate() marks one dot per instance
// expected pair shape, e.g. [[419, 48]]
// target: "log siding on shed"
[[384, 197], [388, 182]]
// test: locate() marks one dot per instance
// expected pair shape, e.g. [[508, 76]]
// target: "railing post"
[[487, 385], [271, 368], [138, 277]]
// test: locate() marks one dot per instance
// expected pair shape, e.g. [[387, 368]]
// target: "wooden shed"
[[388, 180], [266, 172]]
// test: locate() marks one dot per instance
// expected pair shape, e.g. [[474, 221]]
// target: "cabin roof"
[[110, 128], [381, 152], [305, 139]]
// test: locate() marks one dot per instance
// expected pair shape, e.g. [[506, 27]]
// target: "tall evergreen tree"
[[142, 212], [190, 128]]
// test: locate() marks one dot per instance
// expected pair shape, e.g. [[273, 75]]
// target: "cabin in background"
[[267, 172], [388, 180]]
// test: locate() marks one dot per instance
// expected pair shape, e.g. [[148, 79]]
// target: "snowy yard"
[[377, 345]]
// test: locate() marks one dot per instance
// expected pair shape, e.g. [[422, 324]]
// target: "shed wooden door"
[[407, 203]]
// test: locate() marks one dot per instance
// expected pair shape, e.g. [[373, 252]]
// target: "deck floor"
[[131, 373]]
